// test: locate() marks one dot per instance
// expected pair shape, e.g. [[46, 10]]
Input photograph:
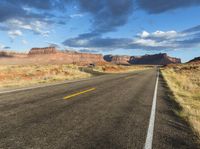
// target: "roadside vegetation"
[[184, 82], [18, 75], [25, 75], [111, 68]]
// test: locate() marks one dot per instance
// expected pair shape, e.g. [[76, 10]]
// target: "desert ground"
[[25, 75], [108, 89], [184, 82]]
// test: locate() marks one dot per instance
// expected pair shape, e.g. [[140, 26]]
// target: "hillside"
[[195, 60]]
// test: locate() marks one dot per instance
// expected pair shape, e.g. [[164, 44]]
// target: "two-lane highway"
[[109, 111]]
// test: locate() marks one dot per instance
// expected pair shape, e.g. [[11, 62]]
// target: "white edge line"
[[149, 138]]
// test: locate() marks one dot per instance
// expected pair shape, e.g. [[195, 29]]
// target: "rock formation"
[[117, 59], [52, 55], [86, 58], [156, 59], [46, 50], [5, 54], [195, 60]]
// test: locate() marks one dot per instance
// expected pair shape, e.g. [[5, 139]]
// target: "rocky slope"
[[195, 60], [156, 59]]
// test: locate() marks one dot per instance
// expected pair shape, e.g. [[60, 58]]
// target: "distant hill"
[[195, 60], [51, 55], [46, 50], [156, 59], [5, 54]]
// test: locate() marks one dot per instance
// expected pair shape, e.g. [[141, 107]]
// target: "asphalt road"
[[105, 112]]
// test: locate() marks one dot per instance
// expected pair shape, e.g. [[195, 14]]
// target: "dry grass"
[[184, 81], [24, 75], [18, 75], [111, 68]]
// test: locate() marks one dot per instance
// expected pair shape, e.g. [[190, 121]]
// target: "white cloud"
[[161, 34], [167, 34], [35, 26], [24, 42], [145, 42], [14, 33], [82, 42], [158, 39], [144, 34], [76, 15]]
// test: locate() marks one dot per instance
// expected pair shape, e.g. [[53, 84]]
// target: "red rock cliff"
[[52, 55], [46, 50], [117, 59], [156, 59]]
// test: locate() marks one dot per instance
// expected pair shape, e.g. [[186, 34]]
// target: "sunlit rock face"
[[51, 54], [46, 50]]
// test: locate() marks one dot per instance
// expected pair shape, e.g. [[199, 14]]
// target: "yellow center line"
[[76, 94]]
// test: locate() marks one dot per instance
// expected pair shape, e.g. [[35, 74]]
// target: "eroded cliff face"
[[52, 55], [83, 58], [156, 59], [117, 59], [46, 50]]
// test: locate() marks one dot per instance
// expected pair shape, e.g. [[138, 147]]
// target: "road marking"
[[76, 94], [149, 138]]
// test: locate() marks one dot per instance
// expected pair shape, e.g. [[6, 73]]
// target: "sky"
[[124, 27]]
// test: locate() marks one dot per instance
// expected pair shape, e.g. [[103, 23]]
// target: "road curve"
[[109, 111]]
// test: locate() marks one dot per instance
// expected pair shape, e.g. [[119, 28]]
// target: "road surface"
[[105, 112]]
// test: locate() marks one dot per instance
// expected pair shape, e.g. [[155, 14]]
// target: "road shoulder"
[[171, 131]]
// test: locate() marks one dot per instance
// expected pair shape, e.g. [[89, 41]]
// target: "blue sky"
[[126, 27]]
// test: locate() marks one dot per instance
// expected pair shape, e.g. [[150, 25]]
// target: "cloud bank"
[[159, 6], [36, 16], [107, 14], [158, 40]]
